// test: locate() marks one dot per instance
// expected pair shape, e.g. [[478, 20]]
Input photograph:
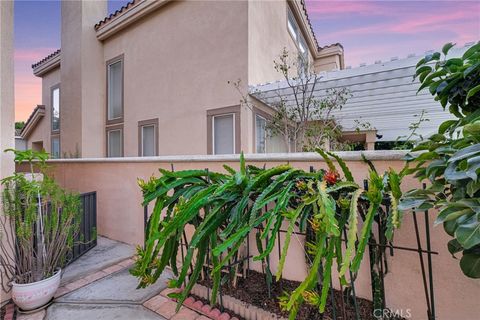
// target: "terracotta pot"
[[29, 296]]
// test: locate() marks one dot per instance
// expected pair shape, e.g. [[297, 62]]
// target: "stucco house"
[[155, 77]]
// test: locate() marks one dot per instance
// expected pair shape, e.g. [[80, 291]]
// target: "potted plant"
[[39, 223]]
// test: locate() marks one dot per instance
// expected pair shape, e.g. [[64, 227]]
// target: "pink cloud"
[[27, 86], [27, 96], [32, 55], [343, 7], [414, 25], [429, 22]]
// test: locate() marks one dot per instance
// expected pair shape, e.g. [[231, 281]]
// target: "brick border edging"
[[191, 309], [239, 307], [166, 307]]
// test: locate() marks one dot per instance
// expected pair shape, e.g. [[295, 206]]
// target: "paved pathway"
[[106, 253], [99, 286]]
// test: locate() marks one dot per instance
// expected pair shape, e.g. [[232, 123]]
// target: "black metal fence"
[[86, 239], [379, 249]]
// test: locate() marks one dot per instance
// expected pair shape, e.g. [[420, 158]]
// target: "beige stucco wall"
[[93, 80], [268, 35], [82, 80], [178, 62], [120, 217], [42, 131], [327, 63], [7, 110], [71, 75]]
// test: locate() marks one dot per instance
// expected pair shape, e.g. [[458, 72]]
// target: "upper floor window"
[[147, 138], [297, 36], [56, 108], [115, 142], [224, 134], [55, 153], [260, 134], [292, 25], [115, 89]]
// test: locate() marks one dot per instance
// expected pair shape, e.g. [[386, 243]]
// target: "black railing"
[[377, 245], [86, 239]]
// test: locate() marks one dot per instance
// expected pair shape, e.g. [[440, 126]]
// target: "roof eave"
[[47, 66], [120, 22], [31, 123], [299, 10]]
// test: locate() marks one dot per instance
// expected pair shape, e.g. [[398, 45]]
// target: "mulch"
[[253, 290]]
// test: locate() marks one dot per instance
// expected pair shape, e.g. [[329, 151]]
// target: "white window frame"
[[154, 138], [109, 131], [213, 130], [256, 132]]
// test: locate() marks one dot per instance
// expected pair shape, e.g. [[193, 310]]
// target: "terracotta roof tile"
[[313, 32], [331, 45], [117, 13], [50, 56]]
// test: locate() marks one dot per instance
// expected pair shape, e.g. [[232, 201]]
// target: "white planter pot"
[[31, 296]]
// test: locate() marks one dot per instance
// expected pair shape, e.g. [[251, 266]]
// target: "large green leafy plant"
[[451, 158], [39, 222], [225, 208]]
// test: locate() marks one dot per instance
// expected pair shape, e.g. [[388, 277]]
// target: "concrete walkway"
[[99, 286], [106, 253]]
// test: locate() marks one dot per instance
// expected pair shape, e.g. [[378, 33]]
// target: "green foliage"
[[19, 125], [451, 158], [39, 222], [225, 208]]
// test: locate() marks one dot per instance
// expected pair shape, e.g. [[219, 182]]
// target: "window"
[[223, 134], [147, 138], [55, 153], [302, 46], [292, 25], [56, 108], [115, 89], [223, 130], [297, 36], [115, 142], [260, 134], [148, 141]]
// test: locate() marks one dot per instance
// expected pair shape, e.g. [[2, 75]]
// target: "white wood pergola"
[[383, 94]]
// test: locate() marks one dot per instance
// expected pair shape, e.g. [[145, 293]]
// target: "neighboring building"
[[154, 78], [20, 143], [384, 95]]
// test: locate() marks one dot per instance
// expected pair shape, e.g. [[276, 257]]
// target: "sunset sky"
[[368, 30]]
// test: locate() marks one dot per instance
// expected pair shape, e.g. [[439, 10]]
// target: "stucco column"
[[82, 80], [7, 110], [371, 137]]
